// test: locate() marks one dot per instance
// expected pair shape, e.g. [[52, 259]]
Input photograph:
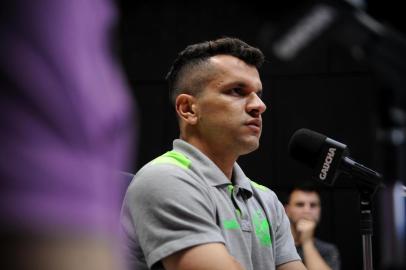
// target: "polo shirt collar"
[[241, 180], [201, 164]]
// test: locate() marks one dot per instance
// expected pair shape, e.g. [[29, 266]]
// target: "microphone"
[[328, 158]]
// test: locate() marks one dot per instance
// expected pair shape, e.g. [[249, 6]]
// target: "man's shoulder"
[[170, 170], [329, 252], [173, 158], [262, 191], [267, 198], [324, 245], [171, 162]]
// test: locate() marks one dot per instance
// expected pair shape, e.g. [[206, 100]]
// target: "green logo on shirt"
[[231, 224], [262, 229]]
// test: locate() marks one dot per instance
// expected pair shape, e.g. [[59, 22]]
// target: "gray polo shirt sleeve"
[[284, 244], [170, 210]]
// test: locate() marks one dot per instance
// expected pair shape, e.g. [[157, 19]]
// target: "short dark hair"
[[305, 186], [194, 57]]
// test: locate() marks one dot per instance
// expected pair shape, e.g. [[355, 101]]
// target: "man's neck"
[[223, 159]]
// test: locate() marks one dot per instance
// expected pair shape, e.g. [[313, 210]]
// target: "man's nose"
[[307, 208], [255, 105]]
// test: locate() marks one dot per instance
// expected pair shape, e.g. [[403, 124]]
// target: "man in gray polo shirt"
[[193, 207]]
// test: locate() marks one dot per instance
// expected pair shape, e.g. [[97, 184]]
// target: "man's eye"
[[237, 91]]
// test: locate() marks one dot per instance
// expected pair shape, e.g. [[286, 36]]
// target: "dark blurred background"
[[325, 90]]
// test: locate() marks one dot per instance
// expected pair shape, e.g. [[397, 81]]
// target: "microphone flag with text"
[[328, 158]]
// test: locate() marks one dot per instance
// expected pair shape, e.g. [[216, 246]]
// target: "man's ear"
[[186, 108]]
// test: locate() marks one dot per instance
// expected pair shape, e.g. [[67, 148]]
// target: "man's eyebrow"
[[241, 85], [235, 84]]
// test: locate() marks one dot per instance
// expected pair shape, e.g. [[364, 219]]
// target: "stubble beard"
[[249, 146]]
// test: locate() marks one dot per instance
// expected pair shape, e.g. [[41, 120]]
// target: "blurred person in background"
[[303, 209]]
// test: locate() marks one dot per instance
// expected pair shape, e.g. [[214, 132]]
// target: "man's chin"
[[250, 146]]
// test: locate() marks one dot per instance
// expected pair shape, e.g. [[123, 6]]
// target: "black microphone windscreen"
[[323, 155], [305, 146]]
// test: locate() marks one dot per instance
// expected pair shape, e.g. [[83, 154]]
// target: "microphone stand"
[[366, 228], [367, 182]]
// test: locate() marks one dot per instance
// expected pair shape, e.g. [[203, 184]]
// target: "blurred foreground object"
[[65, 131]]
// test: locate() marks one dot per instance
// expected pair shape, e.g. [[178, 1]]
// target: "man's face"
[[303, 205], [229, 108]]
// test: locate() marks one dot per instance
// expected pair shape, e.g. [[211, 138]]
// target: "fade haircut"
[[191, 69]]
